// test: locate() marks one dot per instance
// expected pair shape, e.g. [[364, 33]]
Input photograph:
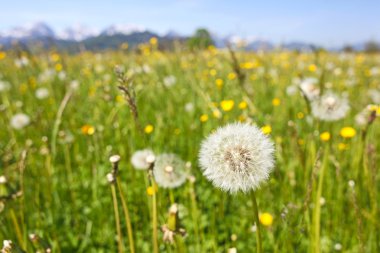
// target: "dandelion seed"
[[237, 157], [330, 107], [169, 171], [142, 159], [20, 121]]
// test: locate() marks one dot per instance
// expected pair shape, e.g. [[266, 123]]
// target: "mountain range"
[[79, 37]]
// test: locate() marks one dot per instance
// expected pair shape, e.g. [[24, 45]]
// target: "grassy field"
[[322, 196]]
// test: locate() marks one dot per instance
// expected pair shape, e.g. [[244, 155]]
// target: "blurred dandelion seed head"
[[330, 107], [142, 159], [237, 157], [169, 171]]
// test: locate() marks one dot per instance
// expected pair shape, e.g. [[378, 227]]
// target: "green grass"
[[67, 201]]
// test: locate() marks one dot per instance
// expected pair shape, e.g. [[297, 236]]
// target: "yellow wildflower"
[[276, 102], [231, 76], [88, 129], [325, 136], [204, 118], [267, 129], [148, 129], [243, 105], [153, 41], [312, 68], [266, 219], [227, 105], [219, 82], [347, 132]]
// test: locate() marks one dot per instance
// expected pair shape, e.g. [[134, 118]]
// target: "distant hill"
[[78, 38]]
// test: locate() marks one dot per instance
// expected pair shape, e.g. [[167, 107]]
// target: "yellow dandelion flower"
[[267, 129], [276, 102], [88, 129], [242, 118], [219, 82], [212, 72], [342, 146], [347, 132], [227, 105], [119, 98], [231, 76], [58, 67], [325, 136], [177, 131], [150, 191], [300, 115], [312, 68], [55, 57], [243, 105], [217, 114], [266, 219], [153, 41], [148, 129], [204, 118], [301, 142], [2, 55]]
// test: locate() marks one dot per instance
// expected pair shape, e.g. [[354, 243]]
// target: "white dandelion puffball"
[[169, 81], [237, 157], [330, 107], [309, 87], [4, 86], [141, 159], [42, 93], [169, 171], [20, 121]]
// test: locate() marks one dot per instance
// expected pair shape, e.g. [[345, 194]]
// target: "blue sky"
[[326, 22]]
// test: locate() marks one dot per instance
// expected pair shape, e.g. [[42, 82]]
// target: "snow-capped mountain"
[[77, 33], [123, 29], [33, 30]]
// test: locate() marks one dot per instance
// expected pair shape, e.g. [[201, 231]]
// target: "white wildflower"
[[4, 86]]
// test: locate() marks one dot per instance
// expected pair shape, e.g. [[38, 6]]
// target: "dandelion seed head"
[[330, 107], [142, 159], [237, 157], [42, 93], [169, 171], [20, 121], [309, 88]]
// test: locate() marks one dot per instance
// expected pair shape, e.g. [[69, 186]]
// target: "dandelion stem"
[[154, 216], [257, 221], [117, 219], [127, 217]]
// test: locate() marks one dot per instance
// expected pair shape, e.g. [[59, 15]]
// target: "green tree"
[[201, 39]]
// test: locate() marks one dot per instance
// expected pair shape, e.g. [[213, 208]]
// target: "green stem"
[[117, 220], [257, 221], [127, 217], [154, 216]]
